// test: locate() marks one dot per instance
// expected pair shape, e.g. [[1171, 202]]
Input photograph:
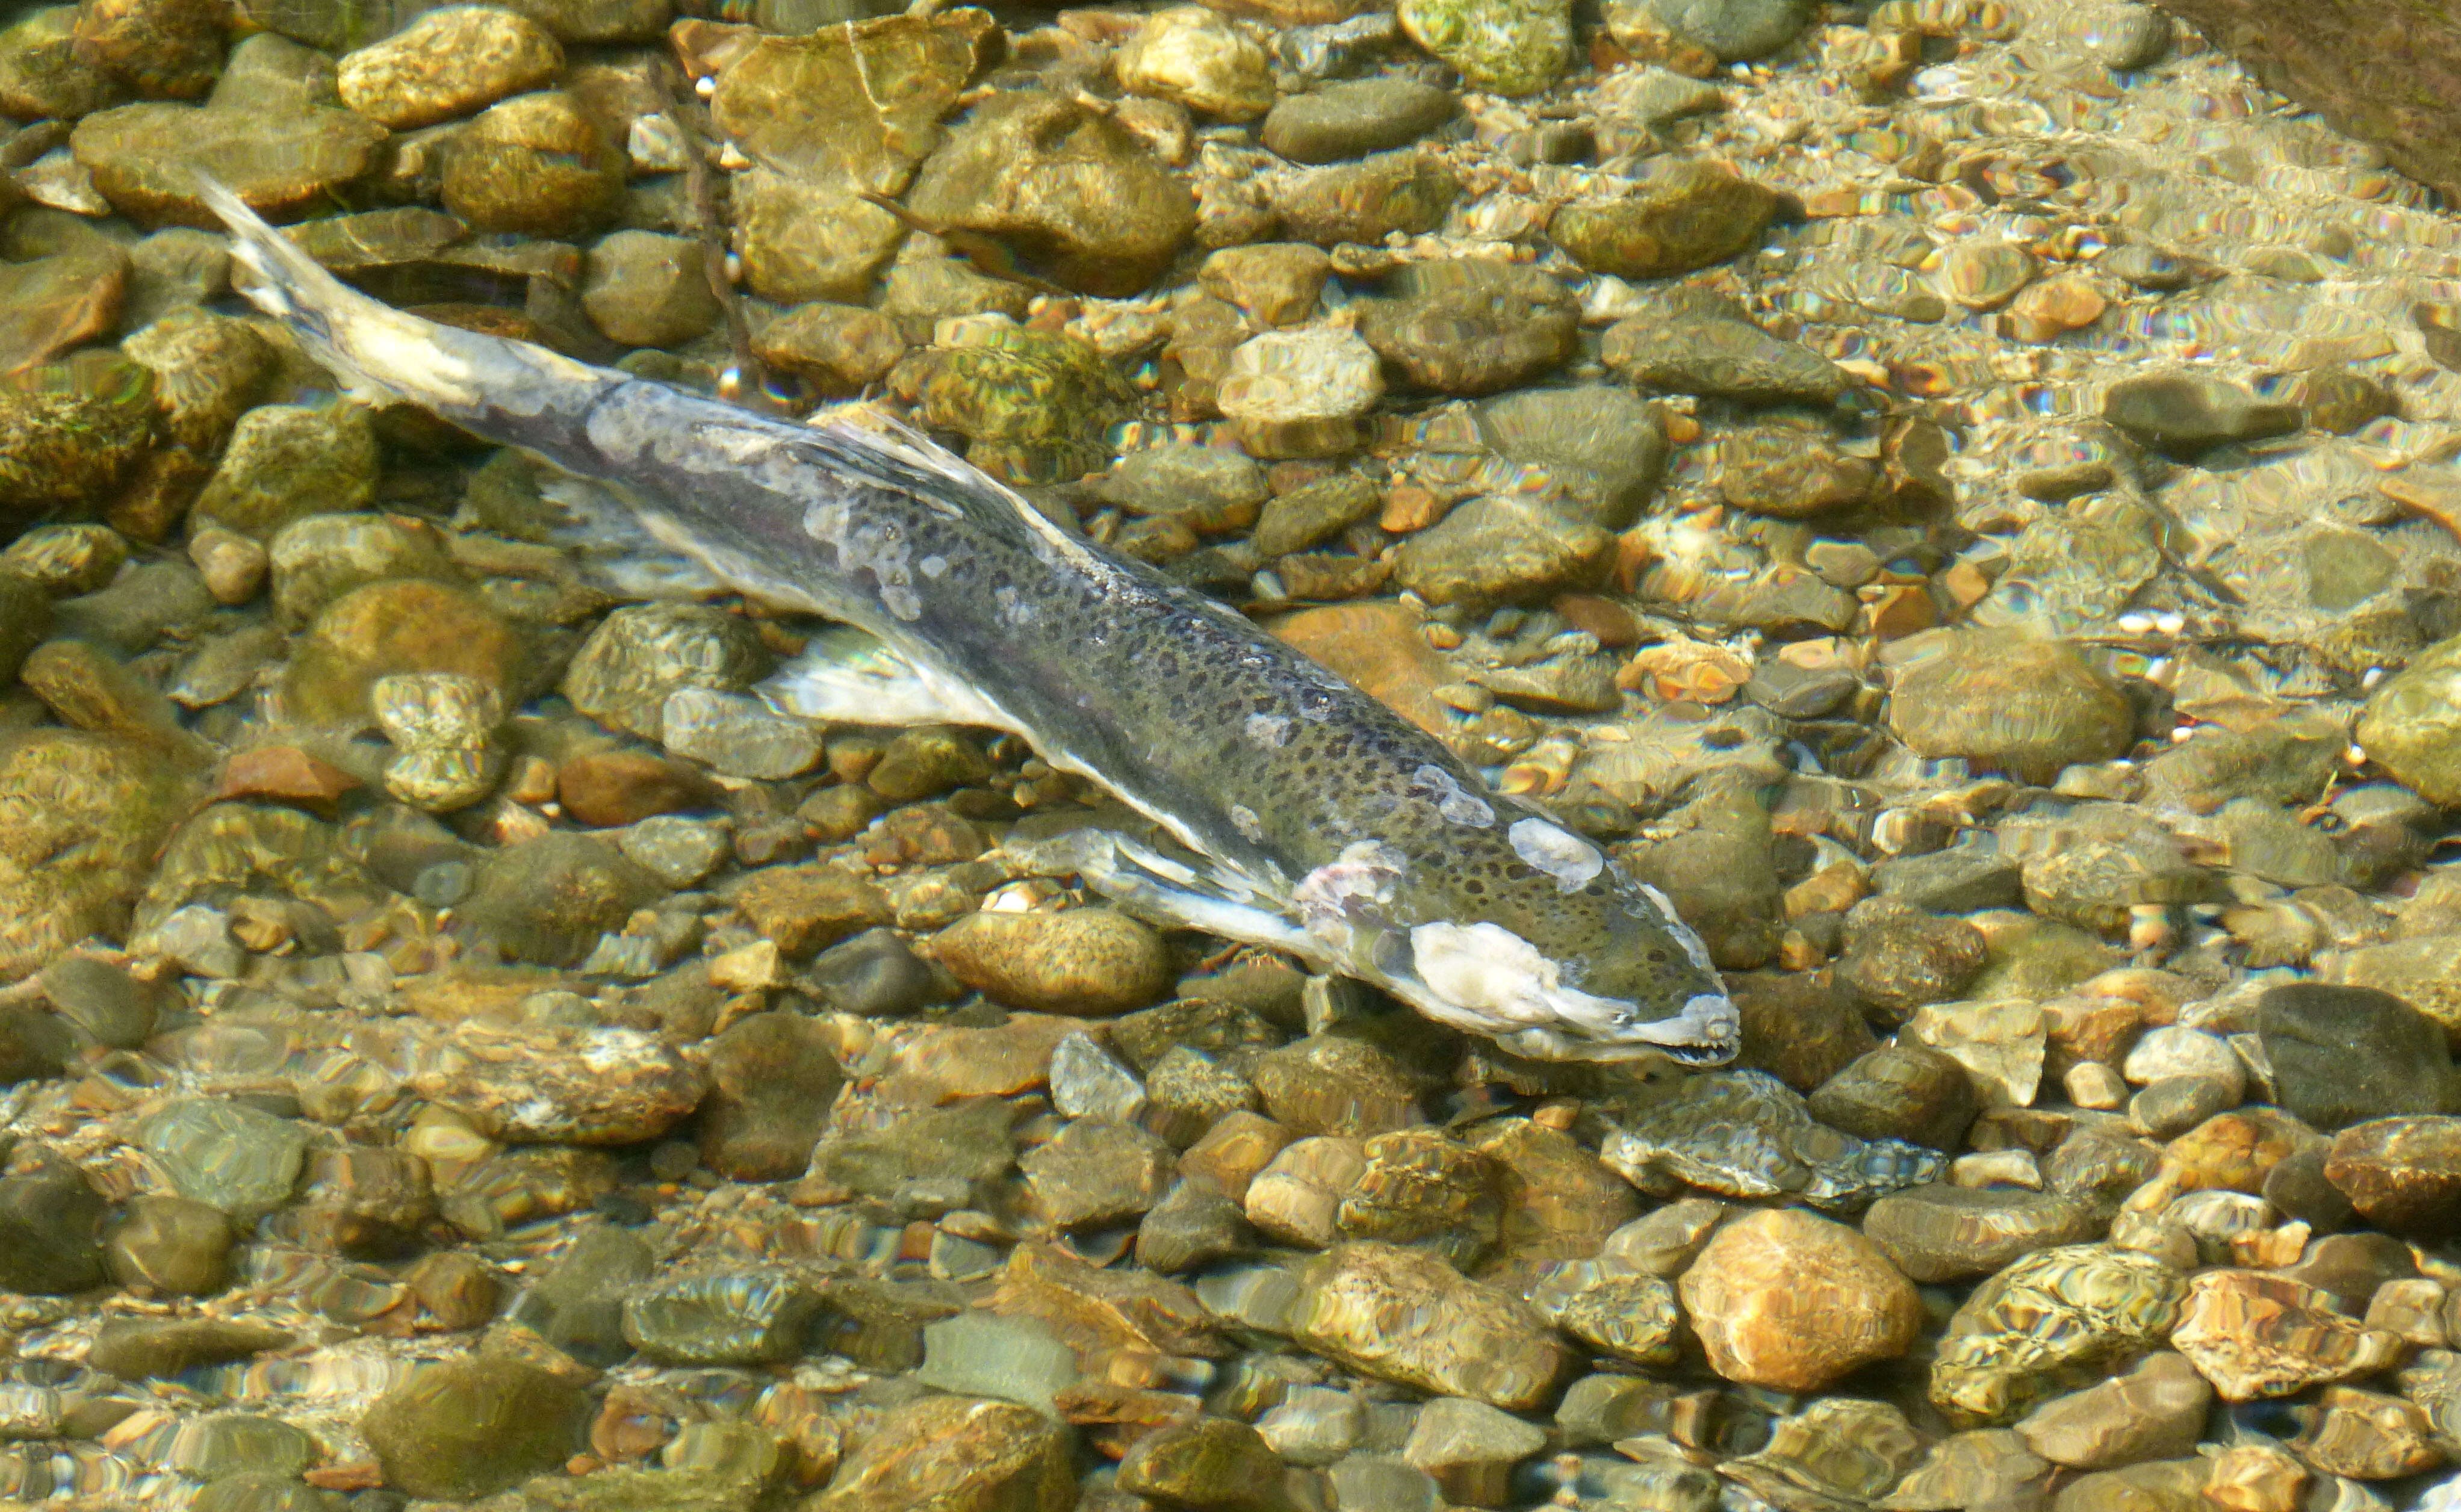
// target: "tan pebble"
[[232, 565], [1089, 961], [1783, 1299], [2055, 307], [2255, 1478], [2091, 1084], [2253, 1334]]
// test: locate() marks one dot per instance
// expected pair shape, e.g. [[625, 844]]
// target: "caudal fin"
[[372, 350]]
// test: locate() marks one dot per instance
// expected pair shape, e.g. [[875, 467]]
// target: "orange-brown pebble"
[[624, 787], [285, 775], [1610, 622], [2055, 307], [1408, 507], [1785, 1299]]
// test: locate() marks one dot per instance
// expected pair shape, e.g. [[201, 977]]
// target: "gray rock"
[[49, 1227], [1354, 118], [748, 1318], [471, 1427], [239, 1158], [2187, 413], [1725, 357], [1736, 30], [1500, 548], [2345, 1054]]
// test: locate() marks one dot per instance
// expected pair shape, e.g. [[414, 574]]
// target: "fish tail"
[[380, 353]]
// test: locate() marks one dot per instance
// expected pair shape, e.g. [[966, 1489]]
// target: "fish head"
[[1524, 932]]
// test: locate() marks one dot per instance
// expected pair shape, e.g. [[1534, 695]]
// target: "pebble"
[[1196, 56], [1470, 1449], [538, 164], [1355, 117], [285, 462], [1783, 1299], [468, 1428], [1300, 392], [1209, 1464], [1714, 353], [1216, 491], [2025, 707], [1086, 962], [956, 1450], [227, 1155], [1364, 201], [641, 654], [2402, 1174], [1692, 214], [1471, 325], [1403, 1315], [51, 1225], [144, 158], [1097, 1173], [2154, 1411], [2187, 413], [2408, 726], [447, 63], [1941, 1232], [1499, 547], [1731, 31], [2253, 1334], [1504, 47], [643, 288], [2031, 1327], [837, 350]]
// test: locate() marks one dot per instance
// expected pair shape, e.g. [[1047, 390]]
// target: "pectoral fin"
[[848, 676], [1191, 894]]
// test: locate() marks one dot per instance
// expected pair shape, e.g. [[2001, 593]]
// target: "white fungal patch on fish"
[[1272, 732], [933, 566], [1243, 819], [1674, 926], [1014, 610], [1458, 804], [1572, 861], [1347, 890], [862, 547]]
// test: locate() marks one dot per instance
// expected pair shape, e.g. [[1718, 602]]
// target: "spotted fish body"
[[1324, 823]]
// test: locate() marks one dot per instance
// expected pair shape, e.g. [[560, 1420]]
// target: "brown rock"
[[1090, 961], [803, 908], [1785, 1299], [624, 787], [2386, 73], [2255, 1335], [1328, 1084], [1404, 1315], [1378, 648], [2365, 1435], [285, 775], [2403, 1174], [956, 1454], [2154, 1411], [52, 304]]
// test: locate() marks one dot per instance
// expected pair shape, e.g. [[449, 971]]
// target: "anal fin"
[[1140, 880]]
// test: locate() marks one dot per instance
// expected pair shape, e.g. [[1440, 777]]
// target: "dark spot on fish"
[[1658, 958], [1593, 891]]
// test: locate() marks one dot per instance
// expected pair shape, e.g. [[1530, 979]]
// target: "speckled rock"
[[1783, 1299], [1035, 407], [2013, 704], [1898, 958], [1790, 470], [1407, 1316], [1504, 47], [471, 1427], [1096, 1173], [90, 812], [447, 63], [566, 1085], [2038, 1326], [837, 349], [393, 627], [805, 240], [548, 899], [2256, 1335], [1089, 961], [1690, 214], [538, 164]]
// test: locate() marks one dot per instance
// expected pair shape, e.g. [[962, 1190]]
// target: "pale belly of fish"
[[1314, 818]]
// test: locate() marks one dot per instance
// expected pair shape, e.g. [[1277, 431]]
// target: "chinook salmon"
[[1316, 820]]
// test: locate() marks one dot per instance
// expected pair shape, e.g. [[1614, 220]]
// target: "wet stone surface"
[[1957, 497]]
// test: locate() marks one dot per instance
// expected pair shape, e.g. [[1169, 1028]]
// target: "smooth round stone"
[[1735, 31], [472, 1427], [1471, 326], [578, 1304], [1314, 513], [318, 558], [1417, 1188], [227, 1155], [170, 1247], [2172, 1106], [1942, 1233], [642, 289], [1090, 963], [1196, 56], [739, 736], [548, 899], [960, 1452], [1683, 353], [1900, 1092], [837, 349], [2345, 1055], [206, 1447], [2411, 724], [392, 627], [1189, 1464], [1690, 215], [1899, 958], [1503, 547], [1785, 1299], [447, 63], [1116, 230], [1367, 201], [772, 1078], [49, 1224], [147, 158], [1355, 117], [721, 1318], [105, 1004], [1213, 490], [2186, 413], [134, 1348], [678, 851], [2007, 702]]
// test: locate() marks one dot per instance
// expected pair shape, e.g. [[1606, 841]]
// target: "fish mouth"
[[1489, 980]]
